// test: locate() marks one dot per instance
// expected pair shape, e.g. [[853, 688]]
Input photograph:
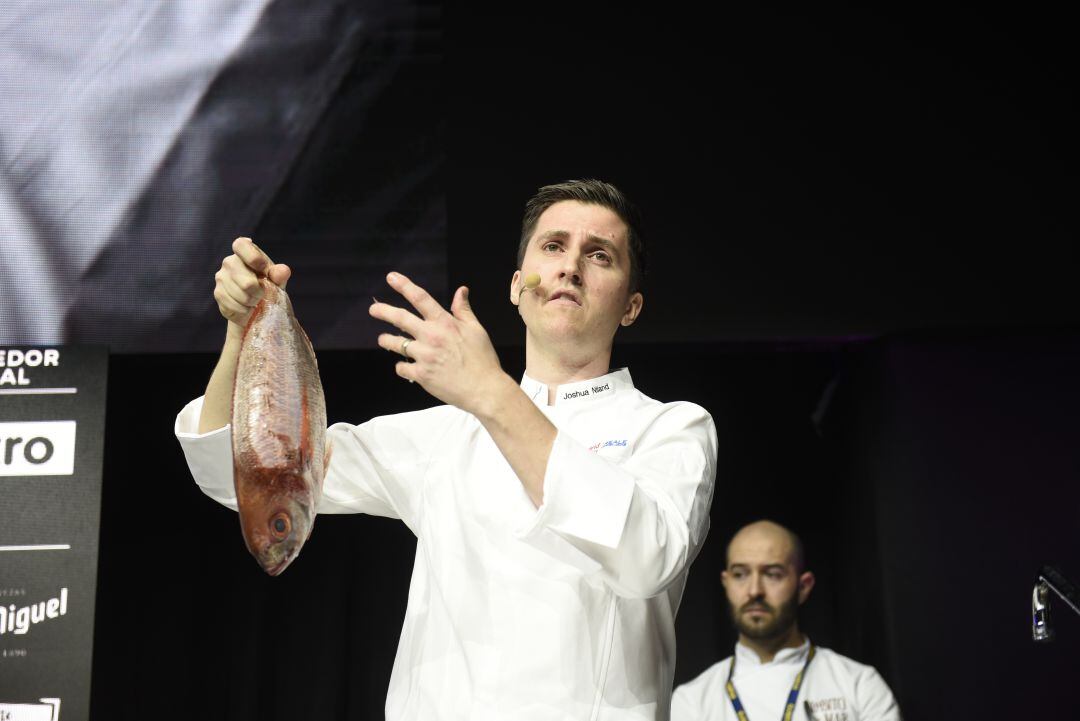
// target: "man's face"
[[581, 254], [763, 585]]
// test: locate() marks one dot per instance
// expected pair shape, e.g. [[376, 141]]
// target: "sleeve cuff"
[[585, 496], [208, 455]]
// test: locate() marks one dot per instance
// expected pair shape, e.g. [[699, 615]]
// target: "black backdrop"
[[803, 173], [820, 191], [930, 477]]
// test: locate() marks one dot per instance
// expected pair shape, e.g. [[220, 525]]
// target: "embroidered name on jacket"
[[830, 709], [586, 392], [607, 444]]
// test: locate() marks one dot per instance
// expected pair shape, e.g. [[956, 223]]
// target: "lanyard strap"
[[789, 710]]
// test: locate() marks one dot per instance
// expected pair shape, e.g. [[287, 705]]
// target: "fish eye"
[[280, 525]]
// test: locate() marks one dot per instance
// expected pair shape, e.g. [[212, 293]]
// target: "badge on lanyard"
[[789, 710]]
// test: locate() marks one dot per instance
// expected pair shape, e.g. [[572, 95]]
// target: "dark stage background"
[[929, 476], [861, 266]]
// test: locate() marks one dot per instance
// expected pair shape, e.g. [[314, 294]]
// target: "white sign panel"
[[42, 448], [47, 710]]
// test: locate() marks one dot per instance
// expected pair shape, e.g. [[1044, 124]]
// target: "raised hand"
[[236, 284], [450, 352], [237, 292]]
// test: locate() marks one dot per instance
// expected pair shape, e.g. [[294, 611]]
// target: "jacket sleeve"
[[703, 697], [376, 467], [874, 699], [639, 524]]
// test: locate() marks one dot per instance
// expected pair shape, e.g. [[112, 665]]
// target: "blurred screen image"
[[138, 139]]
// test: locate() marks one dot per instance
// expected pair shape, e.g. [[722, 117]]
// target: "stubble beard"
[[779, 624]]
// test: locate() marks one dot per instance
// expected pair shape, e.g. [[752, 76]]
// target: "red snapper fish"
[[278, 432]]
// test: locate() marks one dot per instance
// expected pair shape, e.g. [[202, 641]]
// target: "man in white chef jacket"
[[777, 669], [556, 517]]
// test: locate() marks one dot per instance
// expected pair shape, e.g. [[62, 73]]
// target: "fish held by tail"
[[280, 452]]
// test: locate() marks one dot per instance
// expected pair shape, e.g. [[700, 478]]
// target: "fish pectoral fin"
[[326, 456]]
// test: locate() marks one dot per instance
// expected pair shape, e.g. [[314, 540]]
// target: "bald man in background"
[[776, 672]]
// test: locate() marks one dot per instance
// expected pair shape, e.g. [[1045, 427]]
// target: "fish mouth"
[[275, 533], [278, 568], [275, 557], [274, 563]]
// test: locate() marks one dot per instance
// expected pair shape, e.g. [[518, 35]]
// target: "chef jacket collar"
[[796, 655], [579, 391]]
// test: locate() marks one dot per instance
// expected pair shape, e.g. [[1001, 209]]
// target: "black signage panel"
[[52, 426]]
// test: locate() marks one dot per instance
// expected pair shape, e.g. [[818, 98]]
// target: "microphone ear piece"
[[532, 282]]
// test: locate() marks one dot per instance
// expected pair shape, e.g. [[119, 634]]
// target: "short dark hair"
[[595, 192]]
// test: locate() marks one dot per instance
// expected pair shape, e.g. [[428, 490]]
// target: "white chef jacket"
[[836, 687], [514, 612]]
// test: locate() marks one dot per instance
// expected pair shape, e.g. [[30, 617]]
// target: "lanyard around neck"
[[789, 710]]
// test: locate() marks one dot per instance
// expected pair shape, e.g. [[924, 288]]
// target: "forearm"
[[217, 405], [639, 516], [521, 432]]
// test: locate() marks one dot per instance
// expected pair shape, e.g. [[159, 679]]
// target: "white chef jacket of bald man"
[[514, 612], [836, 687]]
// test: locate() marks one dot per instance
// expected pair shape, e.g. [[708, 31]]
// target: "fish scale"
[[278, 432]]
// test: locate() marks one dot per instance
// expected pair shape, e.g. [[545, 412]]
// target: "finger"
[[243, 276], [396, 344], [229, 307], [252, 255], [399, 317], [245, 292], [418, 297], [461, 307], [279, 274], [406, 370]]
